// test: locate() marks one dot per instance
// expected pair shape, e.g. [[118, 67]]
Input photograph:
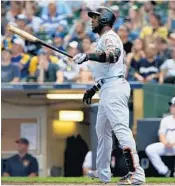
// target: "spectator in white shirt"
[[167, 74], [52, 19], [32, 20], [166, 146]]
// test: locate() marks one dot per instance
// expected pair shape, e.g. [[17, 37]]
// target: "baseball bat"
[[34, 39]]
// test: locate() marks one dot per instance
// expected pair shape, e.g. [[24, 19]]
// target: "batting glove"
[[88, 96], [80, 58]]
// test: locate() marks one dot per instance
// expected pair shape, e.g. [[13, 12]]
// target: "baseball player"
[[166, 146], [113, 113]]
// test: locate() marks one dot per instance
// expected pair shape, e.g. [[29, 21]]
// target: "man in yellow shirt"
[[34, 60], [155, 29]]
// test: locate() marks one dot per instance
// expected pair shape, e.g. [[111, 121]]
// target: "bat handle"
[[54, 48]]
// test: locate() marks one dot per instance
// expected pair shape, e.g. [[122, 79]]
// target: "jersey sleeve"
[[162, 129]]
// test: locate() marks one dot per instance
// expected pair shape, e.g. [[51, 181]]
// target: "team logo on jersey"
[[26, 163], [108, 42]]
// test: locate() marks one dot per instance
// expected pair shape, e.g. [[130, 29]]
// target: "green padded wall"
[[156, 99]]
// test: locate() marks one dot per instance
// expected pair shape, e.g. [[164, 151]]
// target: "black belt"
[[103, 81]]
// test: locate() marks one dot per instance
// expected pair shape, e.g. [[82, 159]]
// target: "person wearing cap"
[[155, 29], [19, 57], [22, 164], [21, 21], [9, 71], [58, 40], [166, 146]]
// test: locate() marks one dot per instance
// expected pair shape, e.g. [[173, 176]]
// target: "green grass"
[[73, 180]]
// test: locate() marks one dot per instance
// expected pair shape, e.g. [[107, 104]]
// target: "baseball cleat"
[[92, 174], [129, 180]]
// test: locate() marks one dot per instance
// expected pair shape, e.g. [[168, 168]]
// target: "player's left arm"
[[110, 54]]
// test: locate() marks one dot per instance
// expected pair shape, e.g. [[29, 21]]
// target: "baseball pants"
[[154, 151], [113, 115]]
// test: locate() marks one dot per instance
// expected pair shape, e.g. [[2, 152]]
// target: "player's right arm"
[[110, 54]]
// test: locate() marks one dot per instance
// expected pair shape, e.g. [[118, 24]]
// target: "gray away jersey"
[[108, 41]]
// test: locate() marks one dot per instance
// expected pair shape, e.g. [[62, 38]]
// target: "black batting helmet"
[[107, 16]]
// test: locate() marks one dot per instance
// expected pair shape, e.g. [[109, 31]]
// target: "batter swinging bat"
[[34, 39]]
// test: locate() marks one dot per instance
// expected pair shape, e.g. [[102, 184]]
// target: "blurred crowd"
[[147, 30]]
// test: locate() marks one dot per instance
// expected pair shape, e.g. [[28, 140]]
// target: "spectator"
[[9, 72], [136, 22], [147, 69], [164, 52], [119, 20], [171, 16], [58, 40], [62, 29], [148, 8], [47, 71], [22, 164], [7, 39], [15, 9], [134, 57], [87, 46], [31, 47], [87, 164], [71, 70], [21, 21], [85, 75], [20, 58], [84, 16], [167, 74], [34, 60], [123, 33], [172, 40], [52, 19], [62, 8], [33, 21], [156, 29], [166, 146], [78, 34]]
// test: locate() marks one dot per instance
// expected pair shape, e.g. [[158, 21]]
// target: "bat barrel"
[[34, 39]]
